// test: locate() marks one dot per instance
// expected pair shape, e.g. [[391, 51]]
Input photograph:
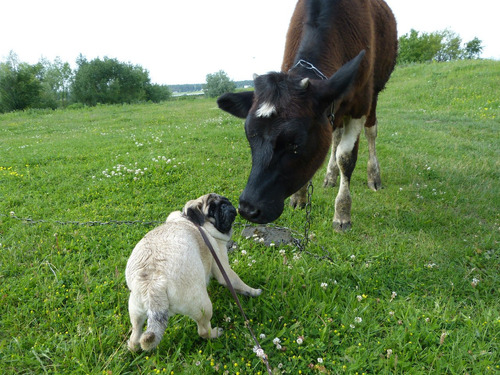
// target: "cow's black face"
[[285, 155], [288, 133]]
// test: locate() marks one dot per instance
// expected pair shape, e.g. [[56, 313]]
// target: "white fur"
[[351, 133], [168, 272], [352, 129], [265, 110]]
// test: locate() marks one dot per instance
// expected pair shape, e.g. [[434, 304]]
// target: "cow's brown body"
[[286, 116]]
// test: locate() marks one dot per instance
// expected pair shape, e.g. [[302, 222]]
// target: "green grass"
[[431, 236]]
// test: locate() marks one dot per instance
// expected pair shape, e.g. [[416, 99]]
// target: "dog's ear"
[[195, 215]]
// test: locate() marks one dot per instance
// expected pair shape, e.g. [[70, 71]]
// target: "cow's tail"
[[157, 313]]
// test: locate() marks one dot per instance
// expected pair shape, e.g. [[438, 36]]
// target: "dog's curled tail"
[[157, 322]]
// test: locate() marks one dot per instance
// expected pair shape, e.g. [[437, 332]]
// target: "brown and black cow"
[[354, 42]]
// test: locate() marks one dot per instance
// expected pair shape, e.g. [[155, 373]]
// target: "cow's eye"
[[293, 148]]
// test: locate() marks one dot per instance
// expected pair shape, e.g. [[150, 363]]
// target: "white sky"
[[182, 41]]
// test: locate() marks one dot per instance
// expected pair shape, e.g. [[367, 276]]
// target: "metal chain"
[[86, 223], [307, 224]]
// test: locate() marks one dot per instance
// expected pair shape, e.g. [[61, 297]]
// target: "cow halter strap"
[[307, 65], [235, 296]]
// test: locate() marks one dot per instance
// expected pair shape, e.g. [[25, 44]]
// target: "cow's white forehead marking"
[[265, 110]]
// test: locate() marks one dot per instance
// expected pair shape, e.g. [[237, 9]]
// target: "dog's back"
[[156, 275]]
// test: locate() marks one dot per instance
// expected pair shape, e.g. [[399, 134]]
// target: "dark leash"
[[235, 296]]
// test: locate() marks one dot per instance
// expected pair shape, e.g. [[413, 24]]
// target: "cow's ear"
[[341, 83], [238, 104]]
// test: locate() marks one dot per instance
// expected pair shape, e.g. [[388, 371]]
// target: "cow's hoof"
[[341, 226], [329, 182], [375, 185], [297, 201]]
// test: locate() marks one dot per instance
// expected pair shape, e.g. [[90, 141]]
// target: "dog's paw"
[[256, 292], [216, 332]]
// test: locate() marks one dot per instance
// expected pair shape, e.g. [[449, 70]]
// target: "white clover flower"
[[389, 352], [358, 319], [474, 282], [243, 252], [259, 351], [324, 285], [353, 257], [262, 336], [300, 340], [393, 295], [320, 360], [352, 326], [282, 251], [359, 298], [276, 341]]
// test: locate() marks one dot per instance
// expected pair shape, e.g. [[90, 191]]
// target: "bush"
[[109, 81], [446, 45], [157, 93], [218, 84], [20, 86]]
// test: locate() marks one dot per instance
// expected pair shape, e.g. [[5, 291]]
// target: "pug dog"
[[169, 270]]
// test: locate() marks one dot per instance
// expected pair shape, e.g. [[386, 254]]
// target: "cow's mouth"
[[260, 213]]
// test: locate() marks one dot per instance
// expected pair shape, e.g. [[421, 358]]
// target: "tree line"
[[445, 45], [54, 84], [108, 81], [413, 47]]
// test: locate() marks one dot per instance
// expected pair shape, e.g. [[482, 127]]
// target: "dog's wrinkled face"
[[213, 208]]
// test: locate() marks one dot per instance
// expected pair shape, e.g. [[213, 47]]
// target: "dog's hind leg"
[[202, 314], [157, 322], [137, 318]]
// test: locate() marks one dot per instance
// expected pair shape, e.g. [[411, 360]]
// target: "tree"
[[109, 81], [444, 45], [473, 49], [157, 93], [450, 46], [20, 85], [56, 80], [415, 48], [218, 84]]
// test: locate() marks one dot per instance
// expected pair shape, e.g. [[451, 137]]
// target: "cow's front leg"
[[332, 171], [346, 155], [299, 199]]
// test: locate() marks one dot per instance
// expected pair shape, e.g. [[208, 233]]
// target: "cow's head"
[[289, 134]]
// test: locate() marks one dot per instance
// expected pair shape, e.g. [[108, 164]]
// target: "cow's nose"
[[248, 211]]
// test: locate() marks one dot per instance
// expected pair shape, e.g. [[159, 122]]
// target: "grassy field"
[[413, 288]]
